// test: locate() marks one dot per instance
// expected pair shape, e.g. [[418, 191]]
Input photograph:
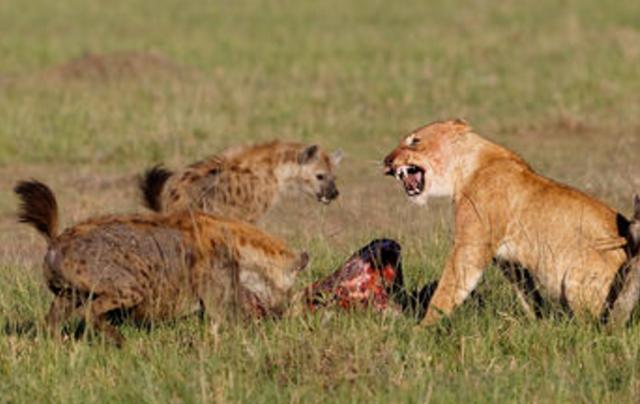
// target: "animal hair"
[[151, 184], [38, 207]]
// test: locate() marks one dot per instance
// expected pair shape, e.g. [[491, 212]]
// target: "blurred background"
[[92, 93]]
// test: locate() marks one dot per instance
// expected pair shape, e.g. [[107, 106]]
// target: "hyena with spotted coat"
[[244, 182], [157, 267]]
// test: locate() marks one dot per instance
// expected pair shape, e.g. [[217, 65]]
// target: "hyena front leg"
[[217, 286], [215, 301], [463, 271]]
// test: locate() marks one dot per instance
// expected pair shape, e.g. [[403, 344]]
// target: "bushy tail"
[[151, 184], [38, 207]]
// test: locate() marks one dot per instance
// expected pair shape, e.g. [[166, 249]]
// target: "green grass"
[[556, 81], [483, 354]]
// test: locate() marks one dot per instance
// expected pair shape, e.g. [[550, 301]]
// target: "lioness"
[[156, 266], [504, 210]]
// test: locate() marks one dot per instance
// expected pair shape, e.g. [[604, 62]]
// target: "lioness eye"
[[320, 177], [412, 141]]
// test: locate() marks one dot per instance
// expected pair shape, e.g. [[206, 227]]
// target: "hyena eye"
[[320, 177]]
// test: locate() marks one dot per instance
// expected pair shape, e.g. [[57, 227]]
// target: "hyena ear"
[[336, 157], [636, 207], [308, 154]]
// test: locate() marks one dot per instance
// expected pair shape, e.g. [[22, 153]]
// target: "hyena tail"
[[38, 208], [151, 184]]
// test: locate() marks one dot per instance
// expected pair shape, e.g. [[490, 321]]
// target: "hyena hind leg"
[[628, 296], [60, 311], [95, 313]]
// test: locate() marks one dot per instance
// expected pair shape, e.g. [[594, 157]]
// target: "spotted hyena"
[[157, 267], [244, 182]]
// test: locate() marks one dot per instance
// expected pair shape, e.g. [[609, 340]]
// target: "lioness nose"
[[388, 164]]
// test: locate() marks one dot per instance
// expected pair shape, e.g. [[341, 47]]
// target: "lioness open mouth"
[[412, 178]]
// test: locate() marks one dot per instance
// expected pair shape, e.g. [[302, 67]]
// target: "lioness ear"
[[308, 154], [336, 157], [636, 207], [462, 126]]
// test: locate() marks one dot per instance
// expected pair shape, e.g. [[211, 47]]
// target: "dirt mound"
[[118, 66]]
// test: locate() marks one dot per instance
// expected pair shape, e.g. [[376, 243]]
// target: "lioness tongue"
[[412, 181]]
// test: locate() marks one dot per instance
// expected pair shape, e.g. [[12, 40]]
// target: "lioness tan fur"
[[506, 211], [157, 267], [244, 182]]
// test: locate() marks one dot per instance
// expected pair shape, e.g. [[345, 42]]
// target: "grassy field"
[[172, 81]]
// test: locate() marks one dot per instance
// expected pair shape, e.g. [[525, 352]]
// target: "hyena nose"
[[331, 191], [303, 261]]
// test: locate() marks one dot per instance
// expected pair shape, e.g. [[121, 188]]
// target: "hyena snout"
[[303, 261], [329, 192]]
